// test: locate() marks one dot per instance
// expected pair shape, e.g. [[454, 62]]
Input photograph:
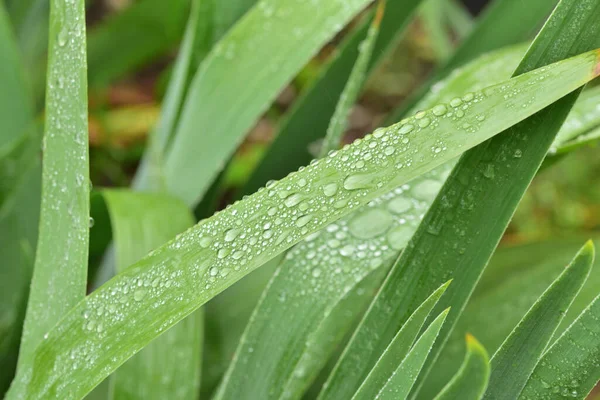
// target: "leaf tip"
[[379, 13], [589, 248]]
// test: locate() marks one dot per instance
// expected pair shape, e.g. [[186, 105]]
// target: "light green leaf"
[[570, 367], [476, 202], [220, 250], [471, 380], [401, 382], [398, 349], [517, 357], [284, 32], [432, 18], [311, 114], [143, 31], [459, 18], [59, 276], [339, 120]]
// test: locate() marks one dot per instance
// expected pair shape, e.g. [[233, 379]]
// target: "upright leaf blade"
[[516, 359], [405, 376], [142, 222], [471, 380], [398, 349], [59, 276]]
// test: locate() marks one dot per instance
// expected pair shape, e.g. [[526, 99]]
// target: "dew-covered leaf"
[[221, 249], [60, 270], [571, 367], [515, 360], [398, 386], [471, 380], [398, 349]]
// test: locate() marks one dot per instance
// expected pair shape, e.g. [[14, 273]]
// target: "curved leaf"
[[471, 380]]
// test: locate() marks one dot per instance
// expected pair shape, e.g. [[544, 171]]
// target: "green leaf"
[[339, 120], [311, 113], [432, 18], [516, 359], [471, 380], [203, 261], [142, 222], [143, 32], [227, 13], [401, 382], [463, 226], [398, 349], [570, 367], [59, 276], [503, 23], [516, 277], [459, 18], [287, 33]]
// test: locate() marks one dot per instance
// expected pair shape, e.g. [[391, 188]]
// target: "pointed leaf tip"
[[379, 13], [474, 344]]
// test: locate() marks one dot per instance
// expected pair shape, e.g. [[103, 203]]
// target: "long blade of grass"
[[339, 120], [503, 23], [398, 349], [433, 21], [175, 355], [570, 367], [472, 378], [369, 238], [228, 13], [143, 31], [401, 382], [459, 18], [311, 114], [516, 277], [493, 176], [285, 32], [223, 248], [517, 357], [60, 271]]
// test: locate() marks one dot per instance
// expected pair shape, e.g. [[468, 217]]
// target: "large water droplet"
[[330, 189], [370, 223]]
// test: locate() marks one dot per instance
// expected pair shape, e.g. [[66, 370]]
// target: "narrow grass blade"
[[311, 114], [516, 359], [476, 202], [59, 276], [285, 32], [144, 31], [194, 47], [504, 23], [401, 382], [570, 367], [459, 18], [339, 121], [220, 250], [226, 14], [516, 277], [433, 21], [175, 355], [398, 349], [472, 378]]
